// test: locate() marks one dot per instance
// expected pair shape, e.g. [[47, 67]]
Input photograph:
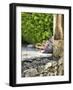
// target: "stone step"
[[34, 55]]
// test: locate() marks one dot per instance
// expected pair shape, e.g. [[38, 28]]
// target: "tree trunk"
[[58, 27]]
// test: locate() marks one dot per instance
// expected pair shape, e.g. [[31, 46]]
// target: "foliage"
[[36, 27]]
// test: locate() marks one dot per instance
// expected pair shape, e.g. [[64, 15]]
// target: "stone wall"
[[43, 67]]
